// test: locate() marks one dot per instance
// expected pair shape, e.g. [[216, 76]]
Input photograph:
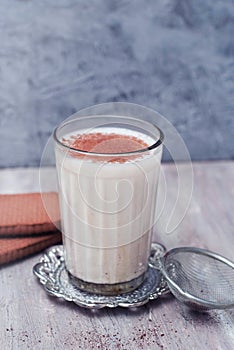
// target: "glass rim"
[[142, 150]]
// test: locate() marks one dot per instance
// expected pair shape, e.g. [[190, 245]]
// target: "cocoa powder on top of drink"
[[101, 143]]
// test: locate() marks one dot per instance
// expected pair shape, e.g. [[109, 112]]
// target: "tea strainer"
[[197, 277]]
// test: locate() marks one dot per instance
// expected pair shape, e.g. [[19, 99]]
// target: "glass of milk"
[[108, 168]]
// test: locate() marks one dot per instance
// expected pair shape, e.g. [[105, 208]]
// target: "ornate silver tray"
[[53, 276]]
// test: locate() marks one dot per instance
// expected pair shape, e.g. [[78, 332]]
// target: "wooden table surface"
[[30, 319]]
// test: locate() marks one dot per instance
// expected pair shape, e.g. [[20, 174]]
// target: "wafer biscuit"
[[17, 248], [25, 226], [24, 214]]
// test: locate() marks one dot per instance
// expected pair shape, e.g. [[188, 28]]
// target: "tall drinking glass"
[[108, 168]]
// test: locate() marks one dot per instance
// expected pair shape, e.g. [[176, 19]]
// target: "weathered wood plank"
[[30, 319]]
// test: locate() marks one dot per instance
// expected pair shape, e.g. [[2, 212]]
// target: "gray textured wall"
[[58, 56]]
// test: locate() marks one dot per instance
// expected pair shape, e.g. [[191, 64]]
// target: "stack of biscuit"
[[25, 227]]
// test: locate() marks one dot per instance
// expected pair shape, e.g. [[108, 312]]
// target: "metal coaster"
[[53, 276]]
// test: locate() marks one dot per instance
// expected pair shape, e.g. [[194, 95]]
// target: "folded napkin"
[[25, 227]]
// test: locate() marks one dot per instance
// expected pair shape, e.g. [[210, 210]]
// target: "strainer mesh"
[[202, 276]]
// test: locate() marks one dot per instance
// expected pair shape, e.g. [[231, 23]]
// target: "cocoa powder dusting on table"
[[139, 338]]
